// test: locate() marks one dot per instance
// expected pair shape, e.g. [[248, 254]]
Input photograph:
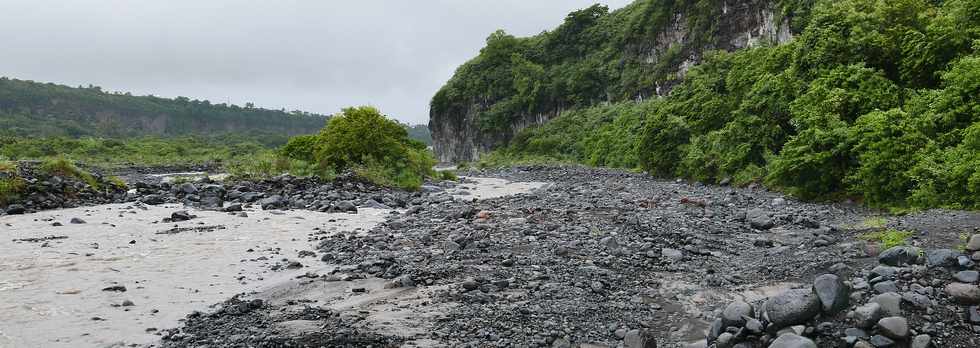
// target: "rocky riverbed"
[[581, 257]]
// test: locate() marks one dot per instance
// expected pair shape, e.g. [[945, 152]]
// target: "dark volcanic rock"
[[760, 219], [15, 209], [792, 341], [792, 307], [901, 255], [181, 215], [941, 258], [968, 294], [832, 292]]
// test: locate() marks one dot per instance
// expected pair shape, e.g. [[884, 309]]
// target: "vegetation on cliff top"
[[873, 99], [595, 56]]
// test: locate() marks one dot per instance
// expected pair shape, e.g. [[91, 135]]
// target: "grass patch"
[[11, 189], [386, 175], [889, 238], [875, 222], [502, 159], [269, 164], [447, 175], [964, 238], [62, 166], [117, 182], [7, 166]]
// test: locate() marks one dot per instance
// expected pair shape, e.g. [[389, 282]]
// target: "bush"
[[7, 166], [62, 166], [875, 100], [889, 238], [373, 146], [300, 148], [11, 188], [663, 144], [884, 144]]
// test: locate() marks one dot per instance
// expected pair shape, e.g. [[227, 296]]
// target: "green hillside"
[[872, 99], [31, 109]]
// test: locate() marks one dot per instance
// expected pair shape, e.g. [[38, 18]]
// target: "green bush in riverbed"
[[10, 188], [360, 139]]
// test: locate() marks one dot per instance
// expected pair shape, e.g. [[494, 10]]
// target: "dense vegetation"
[[40, 121], [31, 109], [363, 140], [419, 132], [872, 99], [595, 56], [146, 151]]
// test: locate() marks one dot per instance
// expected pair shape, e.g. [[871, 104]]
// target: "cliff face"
[[668, 46]]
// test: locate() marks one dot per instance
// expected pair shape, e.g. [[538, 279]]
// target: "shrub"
[[62, 166], [300, 148], [11, 188], [7, 166], [375, 147], [884, 144], [447, 175], [888, 238], [663, 144]]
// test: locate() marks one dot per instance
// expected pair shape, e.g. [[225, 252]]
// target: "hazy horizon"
[[297, 55]]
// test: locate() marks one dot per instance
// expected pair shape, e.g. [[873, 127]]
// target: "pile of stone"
[[913, 298], [45, 191], [344, 194]]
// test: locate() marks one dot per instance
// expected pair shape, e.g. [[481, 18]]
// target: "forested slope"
[[871, 99], [43, 109]]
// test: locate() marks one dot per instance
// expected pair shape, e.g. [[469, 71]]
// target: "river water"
[[51, 291]]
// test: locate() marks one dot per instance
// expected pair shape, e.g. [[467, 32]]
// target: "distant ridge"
[[34, 109]]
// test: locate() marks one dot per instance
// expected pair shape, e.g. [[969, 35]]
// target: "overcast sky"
[[316, 56]]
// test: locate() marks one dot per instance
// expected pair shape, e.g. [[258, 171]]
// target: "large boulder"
[[792, 307], [792, 341], [832, 292], [896, 328], [867, 315], [153, 199], [274, 202], [941, 258], [760, 219], [974, 243], [639, 339], [890, 302], [967, 294], [15, 209], [736, 313], [187, 188], [901, 255]]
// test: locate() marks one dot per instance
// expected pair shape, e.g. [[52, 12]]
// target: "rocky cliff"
[[637, 52]]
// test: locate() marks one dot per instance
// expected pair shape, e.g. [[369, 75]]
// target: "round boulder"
[[968, 294], [736, 313], [896, 328], [792, 341], [792, 307], [901, 255], [832, 292]]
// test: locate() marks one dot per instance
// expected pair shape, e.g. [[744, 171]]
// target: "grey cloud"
[[316, 56]]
